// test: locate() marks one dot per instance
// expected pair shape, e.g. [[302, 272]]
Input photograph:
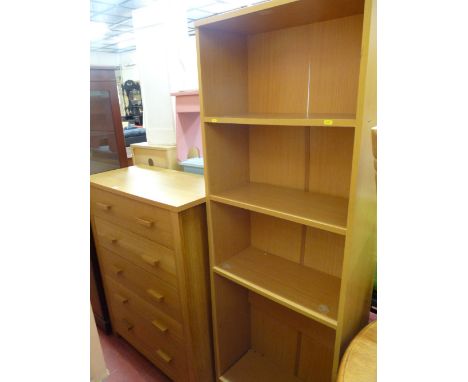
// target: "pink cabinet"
[[188, 131]]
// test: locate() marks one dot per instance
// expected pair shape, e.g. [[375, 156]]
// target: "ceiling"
[[116, 15]]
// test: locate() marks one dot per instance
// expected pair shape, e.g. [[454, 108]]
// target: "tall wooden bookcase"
[[288, 98]]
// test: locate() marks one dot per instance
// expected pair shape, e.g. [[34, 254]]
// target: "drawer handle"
[[120, 298], [156, 295], [128, 325], [144, 222], [150, 260], [103, 206], [166, 358], [116, 270], [162, 328]]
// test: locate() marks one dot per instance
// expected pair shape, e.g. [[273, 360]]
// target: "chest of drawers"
[[149, 226]]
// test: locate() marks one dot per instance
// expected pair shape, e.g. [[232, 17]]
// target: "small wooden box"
[[155, 155]]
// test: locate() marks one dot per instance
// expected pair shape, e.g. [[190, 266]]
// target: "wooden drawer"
[[159, 156], [149, 221], [147, 254], [166, 354], [144, 284], [118, 295]]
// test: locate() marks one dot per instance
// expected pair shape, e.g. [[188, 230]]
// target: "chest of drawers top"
[[168, 189]]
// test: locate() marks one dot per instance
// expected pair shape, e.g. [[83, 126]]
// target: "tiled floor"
[[125, 364]]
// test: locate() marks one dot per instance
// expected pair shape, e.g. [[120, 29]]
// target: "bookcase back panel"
[[331, 154], [299, 345], [247, 321], [273, 339], [316, 358], [312, 68], [278, 155], [237, 229], [276, 236], [306, 69], [335, 49], [324, 251], [278, 71], [223, 68]]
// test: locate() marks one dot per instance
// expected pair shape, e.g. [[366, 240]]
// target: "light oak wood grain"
[[176, 369], [324, 251], [168, 189], [277, 156], [335, 52], [331, 154], [141, 218], [192, 249], [278, 71], [360, 248], [224, 62], [152, 289], [285, 119], [150, 230], [359, 363], [231, 311], [292, 136], [231, 233], [226, 144], [118, 294], [144, 253], [278, 14], [312, 209], [253, 367], [273, 339], [155, 155], [276, 236], [302, 289]]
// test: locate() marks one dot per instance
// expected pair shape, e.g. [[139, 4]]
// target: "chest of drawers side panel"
[[191, 246]]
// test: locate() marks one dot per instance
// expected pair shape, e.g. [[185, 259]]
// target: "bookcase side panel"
[[223, 72], [360, 247]]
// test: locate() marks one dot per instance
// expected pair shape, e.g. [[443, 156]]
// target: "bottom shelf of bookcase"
[[253, 367]]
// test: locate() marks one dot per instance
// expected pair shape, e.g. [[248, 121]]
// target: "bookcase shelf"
[[312, 209], [273, 119], [252, 367], [302, 289], [287, 92]]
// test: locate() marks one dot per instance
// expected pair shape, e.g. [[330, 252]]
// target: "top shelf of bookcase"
[[278, 14], [344, 120]]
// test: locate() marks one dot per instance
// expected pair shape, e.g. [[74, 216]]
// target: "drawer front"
[[144, 284], [157, 158], [144, 219], [144, 253], [168, 356], [120, 296]]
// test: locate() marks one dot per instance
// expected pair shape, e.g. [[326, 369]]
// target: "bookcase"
[[288, 99]]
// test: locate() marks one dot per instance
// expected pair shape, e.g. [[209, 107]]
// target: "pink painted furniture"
[[188, 131]]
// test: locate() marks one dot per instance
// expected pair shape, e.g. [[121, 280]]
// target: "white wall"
[[104, 59], [128, 66], [166, 61]]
